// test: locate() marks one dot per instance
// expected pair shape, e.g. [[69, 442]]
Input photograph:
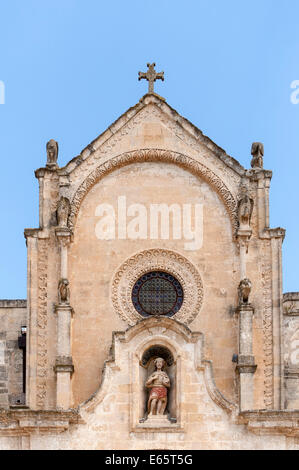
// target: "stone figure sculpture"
[[257, 152], [245, 208], [63, 211], [52, 152], [63, 292], [158, 382], [244, 291]]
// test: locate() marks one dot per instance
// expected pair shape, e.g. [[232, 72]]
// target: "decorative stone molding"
[[267, 422], [246, 364], [64, 235], [64, 364], [149, 106], [148, 333], [213, 391], [290, 304], [42, 323], [150, 155], [152, 260], [266, 276], [24, 422], [18, 303]]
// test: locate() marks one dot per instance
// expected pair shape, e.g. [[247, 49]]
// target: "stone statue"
[[52, 152], [244, 290], [245, 208], [158, 382], [63, 211], [63, 292], [257, 152]]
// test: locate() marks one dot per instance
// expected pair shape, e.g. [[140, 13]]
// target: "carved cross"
[[151, 76]]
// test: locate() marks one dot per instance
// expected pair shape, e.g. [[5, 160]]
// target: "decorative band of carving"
[[267, 325], [154, 260], [42, 323], [150, 155]]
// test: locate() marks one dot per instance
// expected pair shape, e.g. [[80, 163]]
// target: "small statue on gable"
[[52, 153], [257, 152]]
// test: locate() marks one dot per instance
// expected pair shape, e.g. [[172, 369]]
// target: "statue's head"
[[159, 363], [63, 203], [257, 147]]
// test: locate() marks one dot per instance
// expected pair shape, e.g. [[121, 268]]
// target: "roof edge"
[[153, 98]]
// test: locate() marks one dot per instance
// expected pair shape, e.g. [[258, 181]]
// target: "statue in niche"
[[63, 211], [63, 292], [52, 152], [244, 291], [245, 208], [158, 383], [257, 152]]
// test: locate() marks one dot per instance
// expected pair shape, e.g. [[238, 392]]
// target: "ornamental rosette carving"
[[157, 260]]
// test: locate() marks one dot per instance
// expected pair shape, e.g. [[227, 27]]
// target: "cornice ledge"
[[256, 174], [27, 421], [274, 422], [41, 172], [101, 139], [197, 134], [269, 233], [287, 296], [160, 102], [31, 232]]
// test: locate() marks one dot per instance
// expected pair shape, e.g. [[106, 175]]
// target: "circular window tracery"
[[157, 293]]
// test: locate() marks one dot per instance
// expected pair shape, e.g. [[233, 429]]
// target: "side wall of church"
[[291, 350], [13, 315]]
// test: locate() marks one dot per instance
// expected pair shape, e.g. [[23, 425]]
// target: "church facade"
[[155, 317]]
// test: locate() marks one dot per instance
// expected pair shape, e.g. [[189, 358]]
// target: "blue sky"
[[70, 69]]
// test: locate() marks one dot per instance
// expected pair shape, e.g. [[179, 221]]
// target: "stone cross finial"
[[151, 76]]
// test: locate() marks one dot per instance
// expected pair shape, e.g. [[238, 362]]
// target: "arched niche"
[[147, 367]]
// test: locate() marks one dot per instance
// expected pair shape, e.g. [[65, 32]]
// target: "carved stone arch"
[[154, 155]]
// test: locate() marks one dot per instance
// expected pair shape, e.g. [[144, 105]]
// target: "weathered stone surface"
[[89, 350]]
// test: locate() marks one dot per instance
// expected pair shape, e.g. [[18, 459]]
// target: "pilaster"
[[246, 366], [64, 364]]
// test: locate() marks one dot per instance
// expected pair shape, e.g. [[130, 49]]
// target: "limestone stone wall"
[[291, 350], [93, 264], [13, 315], [111, 418], [84, 352]]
